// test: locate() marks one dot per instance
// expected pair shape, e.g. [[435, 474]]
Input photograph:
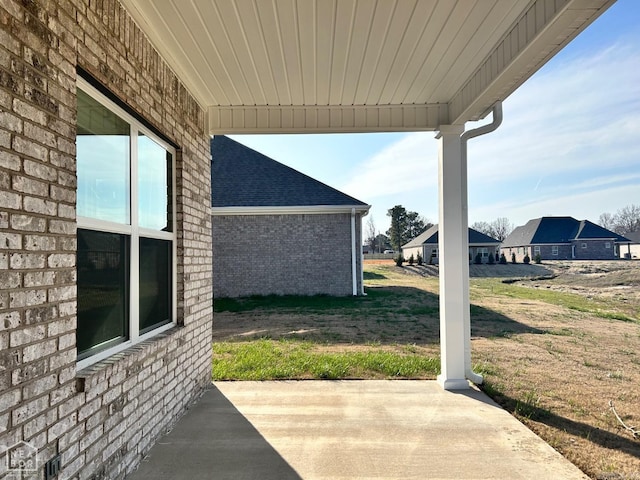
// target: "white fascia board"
[[290, 210]]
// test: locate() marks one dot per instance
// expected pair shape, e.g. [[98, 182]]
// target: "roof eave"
[[290, 210]]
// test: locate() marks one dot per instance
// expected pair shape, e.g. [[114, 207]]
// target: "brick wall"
[[596, 250], [295, 254], [102, 420]]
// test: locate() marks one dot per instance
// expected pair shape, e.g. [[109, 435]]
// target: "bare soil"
[[560, 370]]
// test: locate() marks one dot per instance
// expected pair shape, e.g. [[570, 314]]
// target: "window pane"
[[154, 185], [102, 142], [102, 291], [155, 283]]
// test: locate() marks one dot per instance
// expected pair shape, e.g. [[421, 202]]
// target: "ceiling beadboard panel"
[[400, 56]]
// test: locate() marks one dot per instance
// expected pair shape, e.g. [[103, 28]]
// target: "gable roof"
[[242, 177], [430, 236], [558, 230], [634, 237]]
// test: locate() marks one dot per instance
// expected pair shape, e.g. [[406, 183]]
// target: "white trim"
[[354, 246], [288, 210], [103, 225], [223, 120], [93, 359]]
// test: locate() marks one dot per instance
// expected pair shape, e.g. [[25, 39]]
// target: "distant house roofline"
[[243, 177], [288, 210], [561, 230]]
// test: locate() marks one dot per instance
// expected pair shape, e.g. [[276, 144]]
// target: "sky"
[[569, 143]]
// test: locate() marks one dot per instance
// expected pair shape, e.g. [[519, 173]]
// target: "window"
[[554, 250], [126, 232], [536, 250], [583, 246]]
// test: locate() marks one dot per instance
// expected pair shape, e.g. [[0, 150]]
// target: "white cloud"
[[570, 117], [403, 167]]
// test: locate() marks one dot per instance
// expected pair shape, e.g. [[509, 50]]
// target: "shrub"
[[411, 260], [503, 259], [478, 259], [526, 259], [399, 260], [492, 259], [513, 258], [537, 259], [419, 259]]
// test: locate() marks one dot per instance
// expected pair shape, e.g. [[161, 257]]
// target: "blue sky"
[[569, 143]]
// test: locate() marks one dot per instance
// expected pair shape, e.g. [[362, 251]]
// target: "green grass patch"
[[594, 306], [266, 359]]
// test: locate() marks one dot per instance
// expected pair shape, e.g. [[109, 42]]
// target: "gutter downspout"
[[354, 272], [497, 120]]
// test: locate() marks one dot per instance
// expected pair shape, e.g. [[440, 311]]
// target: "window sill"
[[125, 355]]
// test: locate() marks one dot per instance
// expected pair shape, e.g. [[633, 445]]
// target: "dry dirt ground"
[[558, 366]]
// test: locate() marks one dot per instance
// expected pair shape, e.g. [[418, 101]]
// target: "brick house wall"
[[294, 254], [103, 419], [596, 250]]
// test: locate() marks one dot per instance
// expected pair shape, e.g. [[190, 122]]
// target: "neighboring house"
[[426, 244], [562, 238], [278, 231], [632, 249]]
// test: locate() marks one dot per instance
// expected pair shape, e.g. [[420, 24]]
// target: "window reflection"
[[102, 146], [154, 185]]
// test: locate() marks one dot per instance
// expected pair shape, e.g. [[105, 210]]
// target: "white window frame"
[[554, 250], [536, 250], [133, 231]]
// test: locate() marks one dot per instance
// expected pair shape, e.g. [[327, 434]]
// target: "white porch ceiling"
[[281, 66]]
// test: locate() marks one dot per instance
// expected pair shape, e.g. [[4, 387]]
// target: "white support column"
[[453, 243]]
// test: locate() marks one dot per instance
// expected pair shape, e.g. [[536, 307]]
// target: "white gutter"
[[354, 246], [497, 120]]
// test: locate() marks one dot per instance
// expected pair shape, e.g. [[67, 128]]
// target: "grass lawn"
[[554, 353]]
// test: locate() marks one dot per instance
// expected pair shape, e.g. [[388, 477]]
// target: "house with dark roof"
[[632, 249], [563, 238], [279, 231], [426, 244]]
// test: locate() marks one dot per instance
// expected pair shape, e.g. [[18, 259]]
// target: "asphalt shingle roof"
[[557, 230], [634, 236], [242, 177], [430, 236]]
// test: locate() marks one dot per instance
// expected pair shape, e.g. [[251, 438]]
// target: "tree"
[[499, 229], [483, 227], [381, 243], [405, 225], [624, 221], [627, 219], [398, 227], [608, 221], [416, 224], [371, 234]]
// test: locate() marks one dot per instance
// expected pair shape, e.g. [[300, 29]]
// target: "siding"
[[102, 420]]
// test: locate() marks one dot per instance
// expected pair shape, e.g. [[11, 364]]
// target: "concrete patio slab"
[[350, 429]]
